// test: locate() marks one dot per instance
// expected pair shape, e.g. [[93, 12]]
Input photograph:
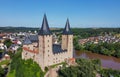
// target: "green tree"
[[85, 68], [1, 71], [25, 68], [1, 50], [8, 42]]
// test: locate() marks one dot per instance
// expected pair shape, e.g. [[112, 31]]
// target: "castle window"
[[48, 40], [48, 45], [48, 55], [48, 50], [26, 54]]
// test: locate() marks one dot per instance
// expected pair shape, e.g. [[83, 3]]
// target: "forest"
[[87, 68], [90, 32], [81, 32]]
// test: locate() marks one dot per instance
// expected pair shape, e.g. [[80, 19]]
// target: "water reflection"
[[106, 61]]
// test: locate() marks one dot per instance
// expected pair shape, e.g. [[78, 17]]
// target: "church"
[[42, 50]]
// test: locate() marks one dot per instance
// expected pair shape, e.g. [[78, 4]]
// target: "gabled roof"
[[67, 30], [33, 38], [27, 41], [45, 27]]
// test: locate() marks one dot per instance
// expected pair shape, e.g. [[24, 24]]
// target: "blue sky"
[[81, 13]]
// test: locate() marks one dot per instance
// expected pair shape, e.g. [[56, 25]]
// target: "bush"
[[46, 69], [24, 68], [85, 68], [8, 42]]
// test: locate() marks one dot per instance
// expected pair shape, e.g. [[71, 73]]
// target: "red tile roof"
[[32, 51]]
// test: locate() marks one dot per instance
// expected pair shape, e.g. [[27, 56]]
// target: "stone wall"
[[45, 56]]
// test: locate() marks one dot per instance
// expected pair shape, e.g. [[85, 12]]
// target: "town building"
[[42, 50]]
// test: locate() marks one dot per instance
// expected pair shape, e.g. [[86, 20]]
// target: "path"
[[51, 73]]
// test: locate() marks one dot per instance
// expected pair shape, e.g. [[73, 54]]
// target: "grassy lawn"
[[5, 62], [1, 50], [11, 74], [52, 66]]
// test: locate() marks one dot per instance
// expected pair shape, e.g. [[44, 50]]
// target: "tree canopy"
[[87, 68], [24, 68], [8, 42]]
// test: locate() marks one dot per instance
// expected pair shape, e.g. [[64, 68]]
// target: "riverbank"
[[87, 68], [106, 61]]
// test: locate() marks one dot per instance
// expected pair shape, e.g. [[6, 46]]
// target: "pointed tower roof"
[[67, 30], [45, 27]]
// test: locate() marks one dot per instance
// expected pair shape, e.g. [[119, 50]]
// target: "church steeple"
[[45, 27], [67, 30]]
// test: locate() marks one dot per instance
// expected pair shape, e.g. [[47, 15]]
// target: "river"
[[106, 61]]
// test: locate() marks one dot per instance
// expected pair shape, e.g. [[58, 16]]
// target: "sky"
[[81, 13]]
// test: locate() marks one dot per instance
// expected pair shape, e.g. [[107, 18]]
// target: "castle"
[[42, 50]]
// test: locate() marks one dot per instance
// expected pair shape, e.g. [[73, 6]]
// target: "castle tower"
[[67, 39], [45, 43]]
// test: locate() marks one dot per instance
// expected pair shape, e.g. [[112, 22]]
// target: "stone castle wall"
[[45, 56]]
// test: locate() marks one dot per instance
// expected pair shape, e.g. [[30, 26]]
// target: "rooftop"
[[27, 41], [67, 30], [57, 49], [45, 27]]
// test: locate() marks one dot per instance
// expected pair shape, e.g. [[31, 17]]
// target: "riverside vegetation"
[[87, 68], [109, 49]]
